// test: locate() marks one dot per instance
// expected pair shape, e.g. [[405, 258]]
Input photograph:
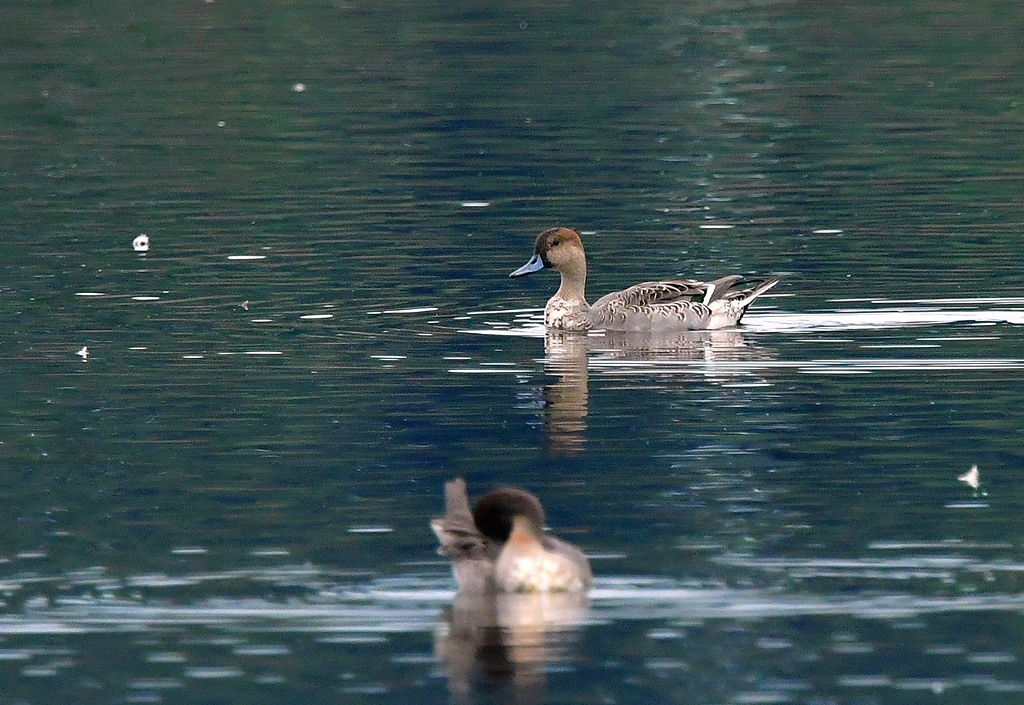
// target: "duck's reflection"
[[508, 642], [566, 400], [690, 345], [569, 357]]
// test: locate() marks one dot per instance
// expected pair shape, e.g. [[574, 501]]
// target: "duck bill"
[[534, 265]]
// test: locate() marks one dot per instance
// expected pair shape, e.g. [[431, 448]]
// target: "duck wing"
[[653, 307], [679, 304], [652, 293]]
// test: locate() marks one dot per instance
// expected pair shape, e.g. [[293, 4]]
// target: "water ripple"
[[415, 605]]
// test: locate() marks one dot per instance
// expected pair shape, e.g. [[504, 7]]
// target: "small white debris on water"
[[972, 478], [141, 243], [83, 353], [299, 87]]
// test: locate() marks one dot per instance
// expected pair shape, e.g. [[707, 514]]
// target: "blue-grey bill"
[[534, 265]]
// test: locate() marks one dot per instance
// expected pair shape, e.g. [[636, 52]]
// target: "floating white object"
[[83, 353], [141, 243], [972, 477]]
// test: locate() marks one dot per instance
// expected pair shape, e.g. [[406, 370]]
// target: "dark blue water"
[[225, 497]]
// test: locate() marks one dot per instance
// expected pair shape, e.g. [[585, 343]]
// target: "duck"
[[500, 545], [651, 307]]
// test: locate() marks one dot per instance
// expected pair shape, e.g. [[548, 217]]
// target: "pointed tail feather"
[[749, 296], [455, 531], [743, 299]]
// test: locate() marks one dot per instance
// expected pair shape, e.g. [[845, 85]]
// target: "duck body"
[[501, 546], [532, 562], [652, 307]]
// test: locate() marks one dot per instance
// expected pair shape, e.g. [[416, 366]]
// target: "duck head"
[[497, 511], [560, 249]]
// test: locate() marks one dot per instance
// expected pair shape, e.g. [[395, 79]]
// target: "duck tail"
[[750, 295], [455, 531]]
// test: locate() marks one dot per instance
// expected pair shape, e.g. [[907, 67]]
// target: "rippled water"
[[221, 454]]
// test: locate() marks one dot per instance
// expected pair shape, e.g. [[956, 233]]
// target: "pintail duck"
[[653, 307], [500, 545]]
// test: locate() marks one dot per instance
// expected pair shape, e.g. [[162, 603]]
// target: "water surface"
[[221, 455]]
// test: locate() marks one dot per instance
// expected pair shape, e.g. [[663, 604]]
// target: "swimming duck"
[[654, 307], [501, 546]]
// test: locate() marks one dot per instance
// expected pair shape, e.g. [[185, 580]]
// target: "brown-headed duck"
[[651, 307], [501, 546]]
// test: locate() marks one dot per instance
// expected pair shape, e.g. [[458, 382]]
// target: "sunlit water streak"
[[414, 604], [832, 366], [858, 319], [916, 313], [688, 354]]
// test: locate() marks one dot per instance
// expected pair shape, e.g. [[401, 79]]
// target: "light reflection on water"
[[913, 313], [742, 351], [288, 365], [319, 603], [526, 645]]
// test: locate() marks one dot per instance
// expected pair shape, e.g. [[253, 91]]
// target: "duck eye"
[[556, 242]]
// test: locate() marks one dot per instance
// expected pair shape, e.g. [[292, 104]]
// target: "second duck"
[[501, 546]]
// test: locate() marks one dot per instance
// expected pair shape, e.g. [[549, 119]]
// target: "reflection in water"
[[697, 345], [565, 401], [509, 641], [229, 636], [567, 355]]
